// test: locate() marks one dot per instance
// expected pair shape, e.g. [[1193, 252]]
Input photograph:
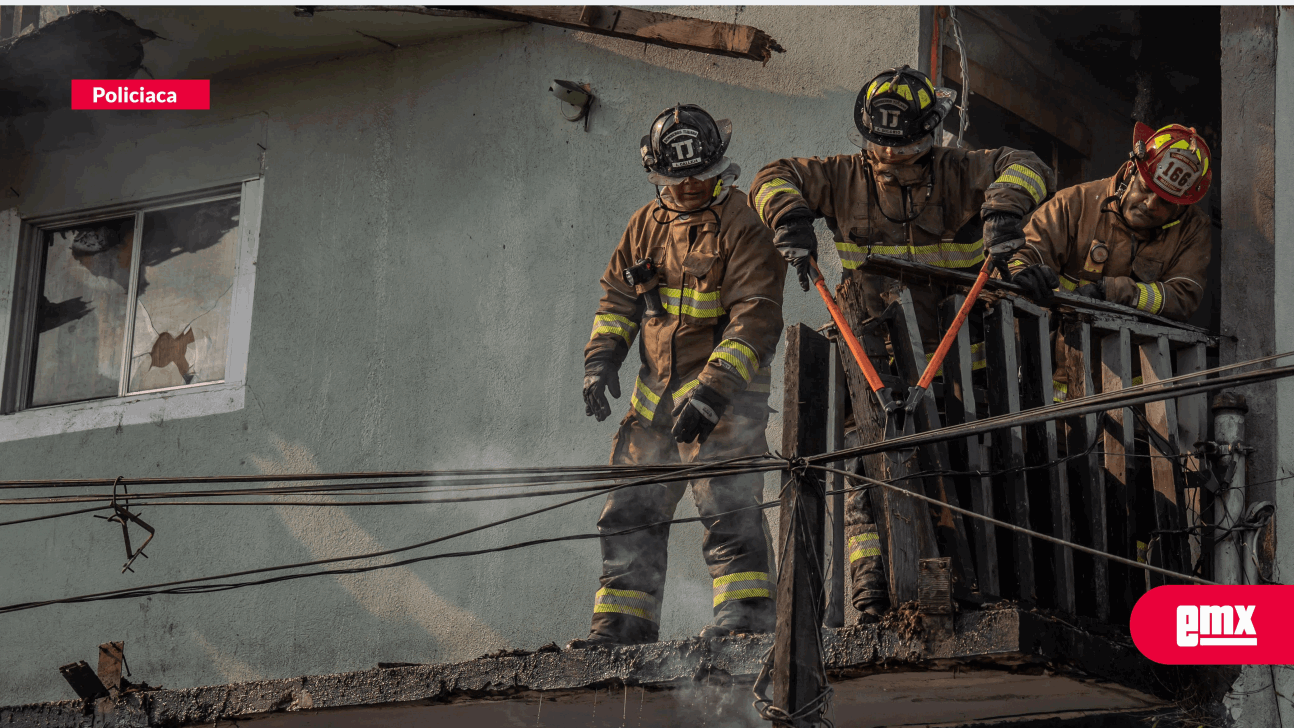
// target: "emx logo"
[[1214, 625]]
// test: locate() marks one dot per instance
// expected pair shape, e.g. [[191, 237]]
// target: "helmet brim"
[[709, 173]]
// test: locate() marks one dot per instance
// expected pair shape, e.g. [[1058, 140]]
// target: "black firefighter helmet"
[[685, 142], [900, 107]]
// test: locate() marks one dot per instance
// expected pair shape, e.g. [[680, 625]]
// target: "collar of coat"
[[908, 174], [728, 177]]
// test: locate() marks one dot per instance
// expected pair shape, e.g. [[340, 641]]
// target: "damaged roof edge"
[[35, 67], [1001, 638]]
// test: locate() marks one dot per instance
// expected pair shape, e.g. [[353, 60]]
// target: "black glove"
[[1002, 229], [695, 418], [797, 242], [598, 376], [1092, 290], [1038, 281]]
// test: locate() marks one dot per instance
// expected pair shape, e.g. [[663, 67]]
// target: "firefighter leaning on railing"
[[1136, 238], [907, 197], [697, 281]]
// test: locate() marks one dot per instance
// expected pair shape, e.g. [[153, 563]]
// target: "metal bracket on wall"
[[123, 516]]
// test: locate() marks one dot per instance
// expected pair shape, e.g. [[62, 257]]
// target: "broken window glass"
[[186, 276], [81, 312]]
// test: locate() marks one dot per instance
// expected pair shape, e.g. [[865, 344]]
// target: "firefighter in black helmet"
[[905, 196], [702, 390]]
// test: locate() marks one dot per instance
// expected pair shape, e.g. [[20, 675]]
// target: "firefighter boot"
[[610, 629], [742, 616]]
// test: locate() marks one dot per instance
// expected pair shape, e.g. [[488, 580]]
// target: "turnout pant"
[[863, 543], [627, 608]]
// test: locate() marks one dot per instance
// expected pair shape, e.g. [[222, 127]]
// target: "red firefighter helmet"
[[1173, 162]]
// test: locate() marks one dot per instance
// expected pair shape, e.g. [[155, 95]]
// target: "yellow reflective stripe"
[[768, 190], [1017, 263], [1150, 297], [1059, 391], [1175, 222], [903, 90], [1141, 552], [739, 355], [743, 585], [1160, 140], [864, 545], [923, 97], [1068, 283], [740, 576], [615, 325], [941, 254], [1037, 178], [627, 601], [1036, 190], [644, 400], [691, 302], [681, 393], [977, 359]]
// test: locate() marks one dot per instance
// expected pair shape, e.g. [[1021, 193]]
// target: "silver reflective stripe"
[[627, 601], [743, 585]]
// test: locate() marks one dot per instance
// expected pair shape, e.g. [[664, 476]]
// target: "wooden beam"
[[1168, 503], [1051, 115], [1116, 374], [1036, 390], [950, 530], [1008, 445], [1090, 493], [837, 566], [960, 407], [903, 524], [663, 29], [796, 659]]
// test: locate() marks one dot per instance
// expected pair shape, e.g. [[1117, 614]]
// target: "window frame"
[[17, 348]]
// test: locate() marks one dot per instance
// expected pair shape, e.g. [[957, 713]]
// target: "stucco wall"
[[431, 240]]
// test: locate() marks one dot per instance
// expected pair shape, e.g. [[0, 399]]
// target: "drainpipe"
[[1256, 516], [1229, 411]]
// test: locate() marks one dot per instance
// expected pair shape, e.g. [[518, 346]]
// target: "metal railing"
[[1121, 482]]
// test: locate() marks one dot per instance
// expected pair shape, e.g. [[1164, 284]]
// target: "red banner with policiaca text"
[[1215, 625], [118, 94]]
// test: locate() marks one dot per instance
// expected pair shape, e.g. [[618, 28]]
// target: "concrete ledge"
[[1001, 638]]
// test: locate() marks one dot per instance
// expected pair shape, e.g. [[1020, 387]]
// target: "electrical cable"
[[170, 587], [1083, 406], [1018, 529], [324, 490]]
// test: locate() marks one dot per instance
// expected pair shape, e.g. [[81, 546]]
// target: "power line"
[[699, 470]]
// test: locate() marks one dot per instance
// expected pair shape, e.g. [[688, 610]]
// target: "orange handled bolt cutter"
[[936, 362]]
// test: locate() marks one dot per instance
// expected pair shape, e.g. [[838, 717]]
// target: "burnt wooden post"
[[1161, 416], [834, 616], [1116, 374], [902, 523], [910, 357], [1090, 494], [960, 407], [1008, 443], [797, 667], [1037, 390]]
